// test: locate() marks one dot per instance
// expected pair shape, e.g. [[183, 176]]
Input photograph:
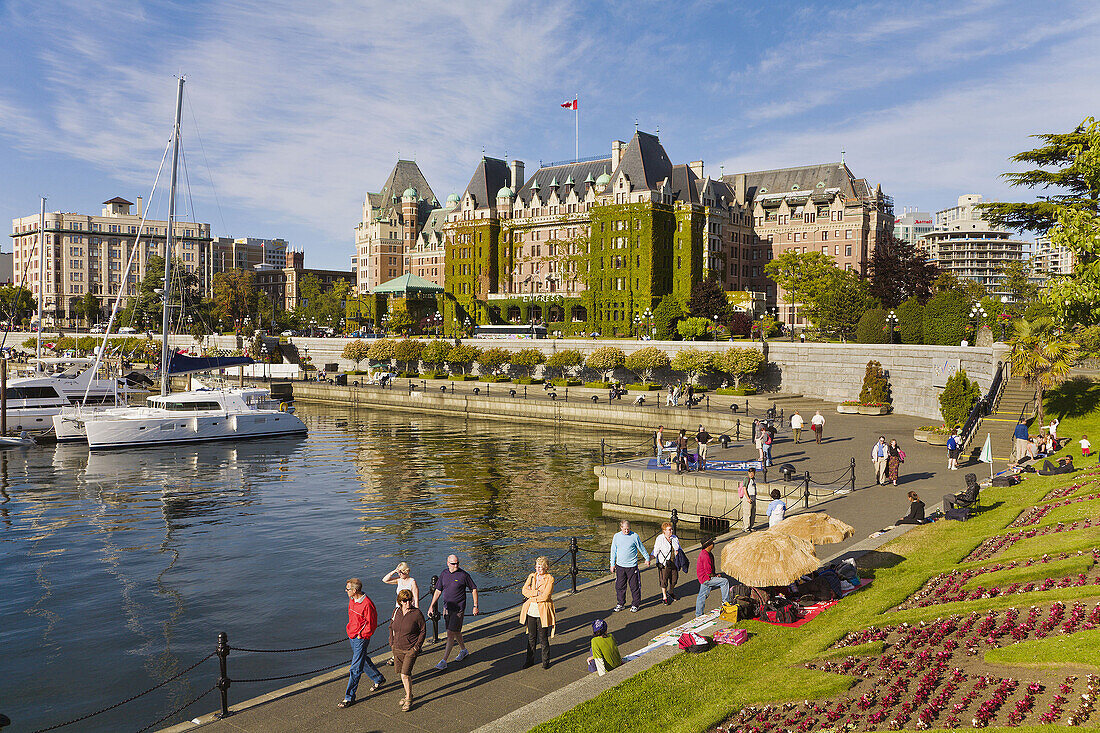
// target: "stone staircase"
[[1017, 397]]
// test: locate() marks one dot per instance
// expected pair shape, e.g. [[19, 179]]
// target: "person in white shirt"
[[817, 424], [665, 548], [796, 426], [748, 501], [879, 454]]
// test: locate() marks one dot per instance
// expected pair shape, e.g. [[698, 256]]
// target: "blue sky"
[[294, 110]]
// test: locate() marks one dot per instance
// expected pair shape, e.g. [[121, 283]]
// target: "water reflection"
[[119, 568]]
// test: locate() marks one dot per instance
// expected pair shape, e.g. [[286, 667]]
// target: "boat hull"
[[108, 434]]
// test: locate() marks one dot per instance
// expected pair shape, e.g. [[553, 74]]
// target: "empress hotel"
[[591, 244]]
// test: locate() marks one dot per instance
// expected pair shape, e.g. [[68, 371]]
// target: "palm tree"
[[1042, 356]]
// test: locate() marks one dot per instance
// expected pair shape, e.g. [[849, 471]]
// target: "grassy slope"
[[1081, 648], [1039, 571], [694, 692]]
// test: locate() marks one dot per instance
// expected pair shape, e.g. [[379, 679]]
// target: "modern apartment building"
[[912, 225], [1049, 259], [392, 219], [86, 253], [965, 244]]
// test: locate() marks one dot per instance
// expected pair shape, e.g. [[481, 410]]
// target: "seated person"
[[639, 400], [967, 498], [1065, 465], [605, 653], [916, 511]]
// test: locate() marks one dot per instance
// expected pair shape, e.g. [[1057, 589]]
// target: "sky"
[[294, 111]]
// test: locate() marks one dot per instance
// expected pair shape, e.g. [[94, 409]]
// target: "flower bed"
[[851, 407]]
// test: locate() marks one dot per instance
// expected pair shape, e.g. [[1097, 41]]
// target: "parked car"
[[288, 333], [98, 328], [127, 329]]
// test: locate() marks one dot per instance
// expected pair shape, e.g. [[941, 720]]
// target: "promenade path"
[[490, 683]]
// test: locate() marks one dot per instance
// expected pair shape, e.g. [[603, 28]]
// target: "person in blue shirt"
[[626, 548], [1020, 434], [777, 509]]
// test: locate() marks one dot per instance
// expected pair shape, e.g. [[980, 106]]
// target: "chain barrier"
[[129, 699], [299, 674], [285, 651], [180, 709]]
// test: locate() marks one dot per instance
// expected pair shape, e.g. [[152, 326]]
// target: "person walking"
[[682, 452], [767, 436], [817, 424], [702, 439], [362, 621], [626, 548], [879, 453], [537, 613], [709, 581], [665, 548], [452, 586], [1020, 435], [407, 631], [796, 427], [895, 456], [748, 501], [916, 511], [954, 449], [777, 509], [659, 440], [401, 577]]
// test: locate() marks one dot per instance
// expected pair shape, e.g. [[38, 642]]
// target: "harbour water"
[[117, 570]]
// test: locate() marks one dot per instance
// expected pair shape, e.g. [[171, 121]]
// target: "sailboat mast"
[[41, 278], [167, 290]]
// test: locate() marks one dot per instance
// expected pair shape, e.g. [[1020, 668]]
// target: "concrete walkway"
[[490, 683]]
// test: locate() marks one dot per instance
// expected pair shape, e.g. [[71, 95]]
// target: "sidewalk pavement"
[[489, 689]]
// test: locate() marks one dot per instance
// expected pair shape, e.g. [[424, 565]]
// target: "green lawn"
[[1039, 571], [692, 693], [1082, 648]]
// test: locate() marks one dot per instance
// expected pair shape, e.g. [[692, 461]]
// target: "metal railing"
[[986, 405]]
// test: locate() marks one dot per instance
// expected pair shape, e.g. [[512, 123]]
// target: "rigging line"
[[209, 173]]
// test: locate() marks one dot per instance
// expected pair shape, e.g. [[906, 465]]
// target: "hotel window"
[[837, 250], [847, 250], [824, 249], [824, 236]]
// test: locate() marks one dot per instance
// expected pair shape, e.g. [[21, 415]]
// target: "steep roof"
[[492, 174], [645, 162], [405, 174], [579, 172], [805, 178], [684, 184]]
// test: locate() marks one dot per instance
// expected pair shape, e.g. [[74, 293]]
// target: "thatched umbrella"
[[815, 528], [768, 558]]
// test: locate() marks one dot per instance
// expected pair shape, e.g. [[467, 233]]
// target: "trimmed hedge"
[[872, 327], [559, 382], [736, 391], [643, 387], [910, 321], [598, 385], [945, 318], [527, 380]]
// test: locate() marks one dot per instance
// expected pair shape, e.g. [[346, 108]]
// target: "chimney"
[[139, 209], [617, 148], [739, 188], [696, 167], [516, 167]]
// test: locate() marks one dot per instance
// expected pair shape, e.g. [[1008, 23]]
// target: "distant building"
[[7, 268], [283, 285], [911, 226], [1050, 259], [86, 253], [965, 244]]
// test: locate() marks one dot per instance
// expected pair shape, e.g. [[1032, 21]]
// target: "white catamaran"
[[194, 416]]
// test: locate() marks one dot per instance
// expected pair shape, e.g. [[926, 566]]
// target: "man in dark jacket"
[[968, 497]]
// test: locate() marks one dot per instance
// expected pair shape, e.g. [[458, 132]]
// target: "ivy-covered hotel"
[[594, 245]]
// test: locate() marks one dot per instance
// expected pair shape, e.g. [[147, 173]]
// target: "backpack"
[[746, 608], [846, 570], [780, 613], [694, 643], [730, 612], [959, 513], [952, 444], [741, 490]]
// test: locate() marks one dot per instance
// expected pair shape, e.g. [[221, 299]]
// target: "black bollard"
[[739, 428], [746, 405], [525, 391], [853, 467], [433, 612], [675, 519], [708, 403], [573, 564], [806, 491], [223, 683]]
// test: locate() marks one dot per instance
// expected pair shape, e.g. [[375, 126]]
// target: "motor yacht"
[[33, 401]]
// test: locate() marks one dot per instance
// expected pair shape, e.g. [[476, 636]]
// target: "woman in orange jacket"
[[537, 613]]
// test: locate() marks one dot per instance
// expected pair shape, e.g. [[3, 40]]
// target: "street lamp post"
[[1004, 316], [977, 313], [715, 316], [892, 320]]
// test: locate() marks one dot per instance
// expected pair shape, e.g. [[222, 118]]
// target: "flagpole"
[[577, 125]]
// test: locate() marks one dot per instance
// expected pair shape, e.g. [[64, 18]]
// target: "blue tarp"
[[182, 364]]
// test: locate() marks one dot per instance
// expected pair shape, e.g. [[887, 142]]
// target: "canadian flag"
[[572, 104]]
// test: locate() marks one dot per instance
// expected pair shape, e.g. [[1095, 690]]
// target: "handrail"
[[986, 405]]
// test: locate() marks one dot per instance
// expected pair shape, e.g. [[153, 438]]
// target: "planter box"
[[848, 409], [871, 410], [937, 439]]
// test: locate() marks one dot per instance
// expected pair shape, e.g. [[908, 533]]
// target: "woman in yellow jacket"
[[537, 613]]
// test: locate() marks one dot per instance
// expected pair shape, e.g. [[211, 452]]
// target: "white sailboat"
[[198, 415]]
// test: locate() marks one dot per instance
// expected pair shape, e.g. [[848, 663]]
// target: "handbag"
[[741, 489], [736, 637]]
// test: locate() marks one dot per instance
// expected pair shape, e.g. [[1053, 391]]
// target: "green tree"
[[317, 303], [804, 277], [945, 318], [491, 360], [693, 362], [872, 328], [564, 362], [645, 361], [1062, 164], [1042, 355], [741, 363], [235, 295], [1017, 282], [528, 359], [17, 303], [400, 321], [910, 316], [899, 270], [665, 317], [958, 398], [356, 351], [434, 354], [876, 388], [88, 308], [708, 300], [461, 356], [606, 360], [407, 352], [838, 309], [693, 329], [382, 351]]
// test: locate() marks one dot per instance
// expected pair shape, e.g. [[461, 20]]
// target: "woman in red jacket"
[[362, 621]]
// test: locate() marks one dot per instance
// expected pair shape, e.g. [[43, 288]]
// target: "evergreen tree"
[[872, 328], [899, 270], [665, 316], [708, 300], [910, 321], [945, 318]]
